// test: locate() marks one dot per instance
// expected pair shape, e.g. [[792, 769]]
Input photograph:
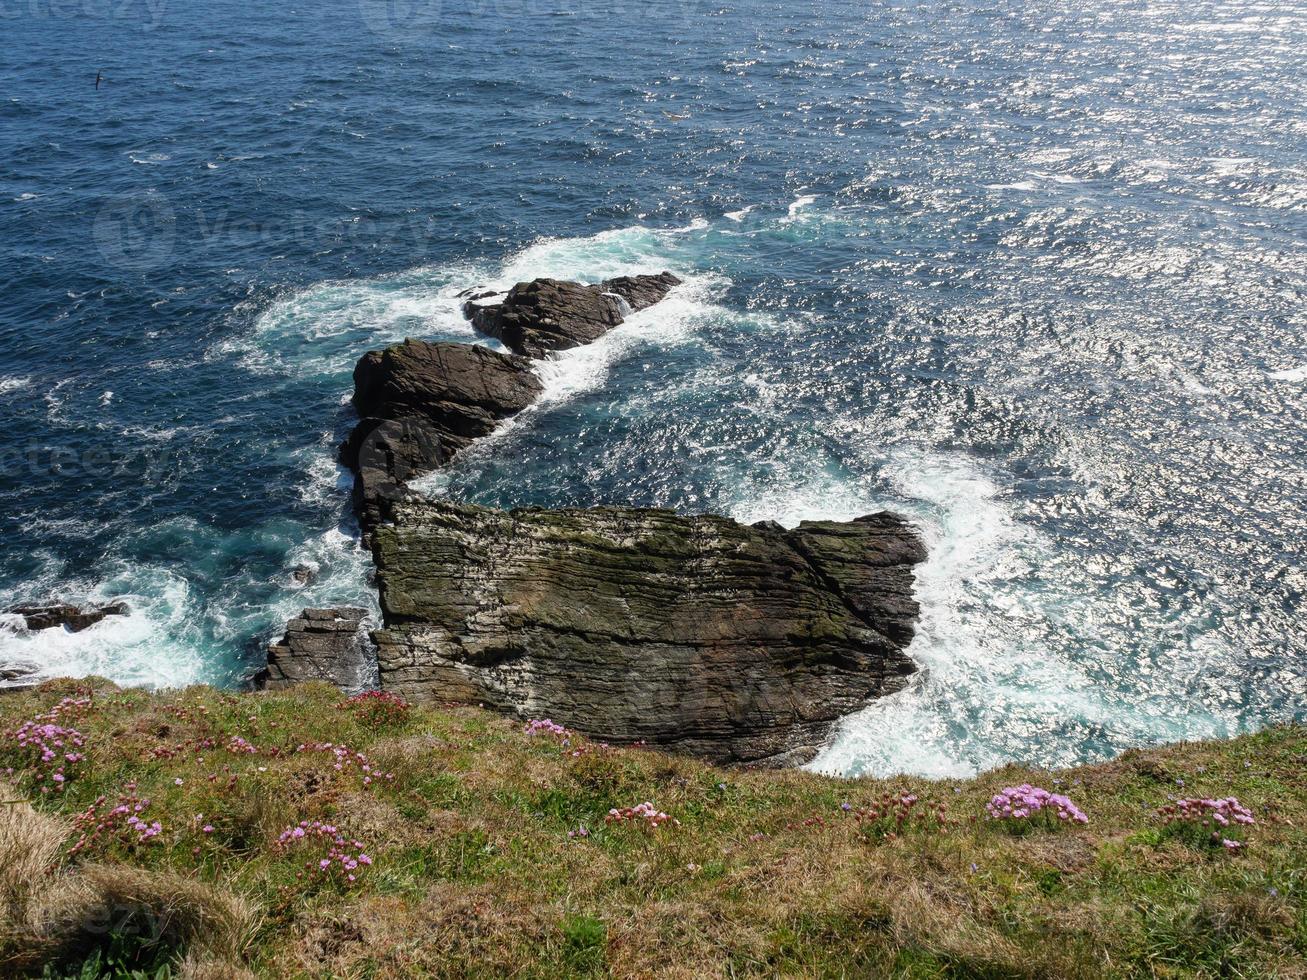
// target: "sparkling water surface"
[[1034, 277]]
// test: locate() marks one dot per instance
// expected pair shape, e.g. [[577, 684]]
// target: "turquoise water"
[[1035, 278]]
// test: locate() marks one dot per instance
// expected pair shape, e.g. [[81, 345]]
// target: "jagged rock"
[[641, 292], [303, 574], [547, 315], [479, 299], [419, 403], [321, 645], [75, 618], [698, 633], [462, 390], [17, 674]]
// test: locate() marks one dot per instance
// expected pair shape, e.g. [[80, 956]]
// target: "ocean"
[[1034, 277]]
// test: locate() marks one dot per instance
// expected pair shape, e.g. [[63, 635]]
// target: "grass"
[[466, 820]]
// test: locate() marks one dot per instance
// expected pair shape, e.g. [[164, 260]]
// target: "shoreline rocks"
[[419, 403], [73, 618], [696, 633], [546, 315], [736, 643], [322, 645]]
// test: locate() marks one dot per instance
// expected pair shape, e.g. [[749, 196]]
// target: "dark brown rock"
[[419, 404], [321, 645], [641, 292], [548, 315], [697, 633], [461, 390], [74, 618]]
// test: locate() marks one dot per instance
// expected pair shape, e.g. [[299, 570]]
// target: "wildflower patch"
[[336, 856], [644, 815], [1027, 805], [378, 709], [1208, 823]]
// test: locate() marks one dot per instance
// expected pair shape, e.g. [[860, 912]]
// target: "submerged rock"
[[74, 618], [321, 645], [548, 315], [736, 643]]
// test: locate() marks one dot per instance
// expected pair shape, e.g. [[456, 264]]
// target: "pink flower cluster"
[[1022, 802], [122, 822], [343, 856], [48, 747], [377, 707], [644, 814], [347, 758], [890, 815], [240, 746], [1218, 815], [53, 746], [545, 726]]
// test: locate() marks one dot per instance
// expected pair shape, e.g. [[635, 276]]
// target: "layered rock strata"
[[322, 645], [738, 643]]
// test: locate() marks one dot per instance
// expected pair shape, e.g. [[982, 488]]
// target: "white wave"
[[321, 331], [1229, 166], [11, 383], [738, 215], [581, 369], [1289, 374], [28, 196], [327, 481], [797, 206], [153, 645], [341, 570], [989, 691]]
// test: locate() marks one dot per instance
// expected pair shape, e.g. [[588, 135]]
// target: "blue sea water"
[[1034, 275]]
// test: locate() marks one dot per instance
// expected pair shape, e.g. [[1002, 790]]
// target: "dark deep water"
[[1035, 278]]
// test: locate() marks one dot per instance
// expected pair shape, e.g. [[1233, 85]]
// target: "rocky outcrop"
[[739, 643], [73, 618], [322, 645], [18, 676], [546, 315], [420, 403], [641, 292]]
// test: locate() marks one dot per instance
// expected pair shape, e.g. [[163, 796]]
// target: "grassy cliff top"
[[207, 834]]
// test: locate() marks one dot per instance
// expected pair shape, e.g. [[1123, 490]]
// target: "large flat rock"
[[738, 643]]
